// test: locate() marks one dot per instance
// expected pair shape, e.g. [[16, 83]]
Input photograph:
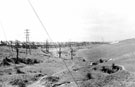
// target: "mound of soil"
[[6, 61]]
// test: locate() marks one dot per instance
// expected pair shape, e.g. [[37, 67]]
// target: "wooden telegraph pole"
[[47, 46], [11, 45], [17, 51], [71, 52], [59, 51]]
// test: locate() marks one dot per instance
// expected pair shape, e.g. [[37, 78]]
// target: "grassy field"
[[122, 53], [90, 67], [107, 51]]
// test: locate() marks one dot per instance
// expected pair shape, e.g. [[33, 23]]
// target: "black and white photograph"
[[67, 43]]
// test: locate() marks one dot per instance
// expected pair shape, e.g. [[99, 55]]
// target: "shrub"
[[89, 76], [52, 79], [101, 60], [110, 69], [94, 63], [19, 82], [6, 61]]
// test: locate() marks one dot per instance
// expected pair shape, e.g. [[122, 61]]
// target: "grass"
[[114, 80], [53, 70]]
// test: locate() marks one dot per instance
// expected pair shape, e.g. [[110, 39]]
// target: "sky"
[[68, 20]]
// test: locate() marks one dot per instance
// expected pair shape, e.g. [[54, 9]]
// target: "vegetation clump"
[[50, 81], [18, 71], [99, 61], [7, 62], [89, 76], [120, 79], [110, 69], [19, 82]]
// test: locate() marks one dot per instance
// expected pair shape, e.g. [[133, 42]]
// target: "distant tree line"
[[35, 45]]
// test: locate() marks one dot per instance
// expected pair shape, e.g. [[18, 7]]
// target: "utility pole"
[[27, 41], [71, 52], [11, 45], [47, 46], [17, 51], [59, 51]]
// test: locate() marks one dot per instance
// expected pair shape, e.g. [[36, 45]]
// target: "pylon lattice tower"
[[27, 41]]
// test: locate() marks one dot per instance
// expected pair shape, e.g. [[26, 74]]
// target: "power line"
[[51, 40], [67, 66], [3, 30], [70, 73], [4, 33], [39, 19]]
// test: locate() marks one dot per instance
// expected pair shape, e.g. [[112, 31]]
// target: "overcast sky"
[[68, 20]]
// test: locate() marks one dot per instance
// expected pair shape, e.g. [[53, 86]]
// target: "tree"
[[3, 43]]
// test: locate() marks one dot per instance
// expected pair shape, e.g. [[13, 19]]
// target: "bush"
[[19, 82], [52, 79], [110, 69], [94, 63], [101, 60], [89, 76], [18, 71], [6, 61]]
